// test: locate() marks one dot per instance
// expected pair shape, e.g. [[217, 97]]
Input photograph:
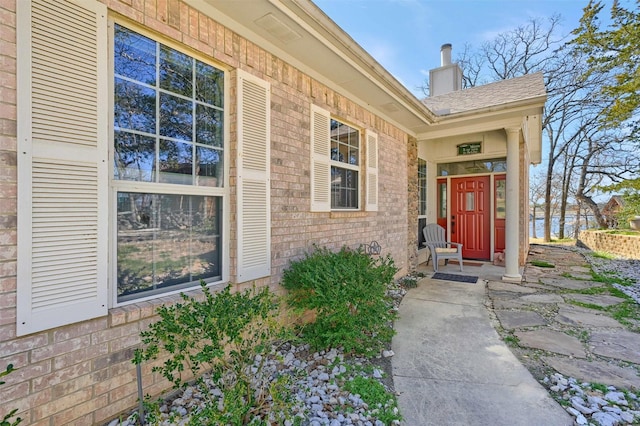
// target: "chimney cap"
[[445, 55]]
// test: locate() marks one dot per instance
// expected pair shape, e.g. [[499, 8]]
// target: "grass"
[[623, 232], [626, 312], [611, 277], [599, 387], [511, 340], [602, 255], [376, 396], [542, 264]]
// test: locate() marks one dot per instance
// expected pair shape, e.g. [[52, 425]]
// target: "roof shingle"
[[488, 95]]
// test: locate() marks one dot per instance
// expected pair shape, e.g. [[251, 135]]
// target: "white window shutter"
[[62, 163], [320, 160], [254, 160], [372, 171]]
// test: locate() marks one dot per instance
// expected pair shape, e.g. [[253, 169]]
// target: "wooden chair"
[[439, 248]]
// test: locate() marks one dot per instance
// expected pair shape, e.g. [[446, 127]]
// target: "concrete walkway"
[[451, 367]]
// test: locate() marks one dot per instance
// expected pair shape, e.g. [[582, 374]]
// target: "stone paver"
[[513, 288], [570, 284], [602, 300], [542, 298], [595, 371], [509, 304], [584, 317], [552, 341], [519, 319], [618, 344]]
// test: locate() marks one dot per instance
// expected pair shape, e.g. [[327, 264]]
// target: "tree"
[[582, 153], [537, 187], [616, 51]]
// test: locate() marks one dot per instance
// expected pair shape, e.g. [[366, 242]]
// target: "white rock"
[[616, 398], [578, 404], [627, 417], [388, 353], [605, 419]]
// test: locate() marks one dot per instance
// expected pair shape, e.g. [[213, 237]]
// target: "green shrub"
[[7, 417], [378, 398], [347, 292], [220, 334]]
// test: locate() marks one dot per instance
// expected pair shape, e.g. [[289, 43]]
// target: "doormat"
[[454, 277]]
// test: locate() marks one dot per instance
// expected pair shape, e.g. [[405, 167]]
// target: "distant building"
[[611, 209]]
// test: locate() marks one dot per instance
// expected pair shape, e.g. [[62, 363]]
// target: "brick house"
[[148, 144]]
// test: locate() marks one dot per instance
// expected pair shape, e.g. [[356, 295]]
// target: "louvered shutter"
[[62, 163], [372, 171], [320, 160], [254, 205]]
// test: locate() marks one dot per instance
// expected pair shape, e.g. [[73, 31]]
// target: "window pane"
[[470, 204], [345, 143], [422, 187], [353, 155], [134, 107], [209, 167], [176, 71], [501, 199], [176, 117], [473, 167], [209, 126], [166, 242], [134, 56], [209, 84], [176, 162], [442, 200], [344, 188], [135, 157]]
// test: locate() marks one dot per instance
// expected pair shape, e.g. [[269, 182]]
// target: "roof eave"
[[326, 53]]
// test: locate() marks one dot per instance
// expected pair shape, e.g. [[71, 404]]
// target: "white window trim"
[[347, 166], [116, 186]]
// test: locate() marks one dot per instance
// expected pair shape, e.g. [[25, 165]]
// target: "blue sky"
[[405, 35]]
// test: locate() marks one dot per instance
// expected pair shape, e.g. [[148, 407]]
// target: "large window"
[[168, 166], [495, 165], [345, 166]]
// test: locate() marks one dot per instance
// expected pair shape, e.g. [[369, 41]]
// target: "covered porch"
[[474, 169]]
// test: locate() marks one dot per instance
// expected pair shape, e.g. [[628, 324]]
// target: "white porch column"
[[512, 220]]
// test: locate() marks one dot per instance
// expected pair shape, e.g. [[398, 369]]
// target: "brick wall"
[[82, 373], [627, 246]]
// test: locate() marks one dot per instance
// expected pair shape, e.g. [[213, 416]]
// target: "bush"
[[223, 334], [347, 292], [6, 419]]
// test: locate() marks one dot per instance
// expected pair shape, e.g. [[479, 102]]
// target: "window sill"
[[348, 214], [137, 311]]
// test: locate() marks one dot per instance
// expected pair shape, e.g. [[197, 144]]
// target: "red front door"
[[470, 216]]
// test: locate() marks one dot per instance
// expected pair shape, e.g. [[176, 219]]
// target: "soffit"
[[301, 34]]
